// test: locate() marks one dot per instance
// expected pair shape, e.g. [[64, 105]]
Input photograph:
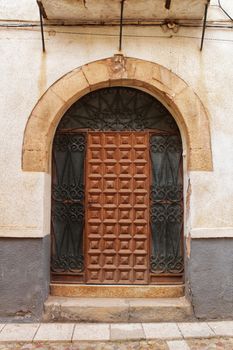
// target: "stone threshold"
[[117, 291]]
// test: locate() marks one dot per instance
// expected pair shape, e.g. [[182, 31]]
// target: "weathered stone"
[[158, 310], [72, 86], [116, 310], [91, 332], [194, 329], [161, 331], [18, 332], [43, 120], [118, 70], [223, 328], [54, 332], [86, 310], [96, 74], [127, 331]]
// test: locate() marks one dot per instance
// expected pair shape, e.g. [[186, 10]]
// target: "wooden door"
[[117, 208]]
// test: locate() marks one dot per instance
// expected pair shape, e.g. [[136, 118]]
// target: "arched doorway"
[[117, 192]]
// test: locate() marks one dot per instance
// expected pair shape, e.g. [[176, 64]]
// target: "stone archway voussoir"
[[184, 104]]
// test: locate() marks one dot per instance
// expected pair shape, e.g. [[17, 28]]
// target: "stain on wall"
[[42, 78]]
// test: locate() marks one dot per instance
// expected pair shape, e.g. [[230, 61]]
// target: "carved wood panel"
[[117, 202]]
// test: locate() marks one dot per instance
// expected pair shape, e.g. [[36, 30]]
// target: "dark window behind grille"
[[117, 109], [68, 202], [166, 203]]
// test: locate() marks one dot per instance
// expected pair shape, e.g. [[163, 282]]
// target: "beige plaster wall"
[[26, 73]]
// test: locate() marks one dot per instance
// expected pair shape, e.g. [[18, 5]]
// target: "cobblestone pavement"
[[211, 344], [192, 344], [132, 345]]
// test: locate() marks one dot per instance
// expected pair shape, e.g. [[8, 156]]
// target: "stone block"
[[96, 74], [91, 332], [199, 160], [48, 107], [195, 330], [172, 82], [72, 86], [222, 329], [126, 331], [158, 310], [141, 71], [18, 332], [161, 331], [35, 160], [86, 310], [54, 332]]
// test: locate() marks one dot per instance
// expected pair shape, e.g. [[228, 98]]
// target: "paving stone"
[[54, 332], [223, 328], [161, 330], [1, 326], [195, 330], [18, 332], [178, 345], [126, 331], [91, 332]]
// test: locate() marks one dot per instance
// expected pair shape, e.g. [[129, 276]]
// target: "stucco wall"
[[26, 73]]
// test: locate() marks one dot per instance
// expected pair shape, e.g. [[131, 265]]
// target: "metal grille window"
[[166, 204], [68, 202]]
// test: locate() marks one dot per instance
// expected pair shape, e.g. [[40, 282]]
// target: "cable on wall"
[[226, 13]]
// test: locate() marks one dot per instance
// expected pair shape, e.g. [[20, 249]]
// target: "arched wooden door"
[[117, 193]]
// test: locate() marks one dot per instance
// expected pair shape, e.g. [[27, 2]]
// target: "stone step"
[[116, 310]]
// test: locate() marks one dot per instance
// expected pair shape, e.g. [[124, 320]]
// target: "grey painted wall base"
[[24, 278], [211, 277], [25, 265]]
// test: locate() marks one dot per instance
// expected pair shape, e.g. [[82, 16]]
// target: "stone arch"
[[171, 90]]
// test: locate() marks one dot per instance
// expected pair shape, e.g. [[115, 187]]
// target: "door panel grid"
[[117, 201]]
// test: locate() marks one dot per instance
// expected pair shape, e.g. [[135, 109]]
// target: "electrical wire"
[[226, 13], [170, 36], [31, 25]]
